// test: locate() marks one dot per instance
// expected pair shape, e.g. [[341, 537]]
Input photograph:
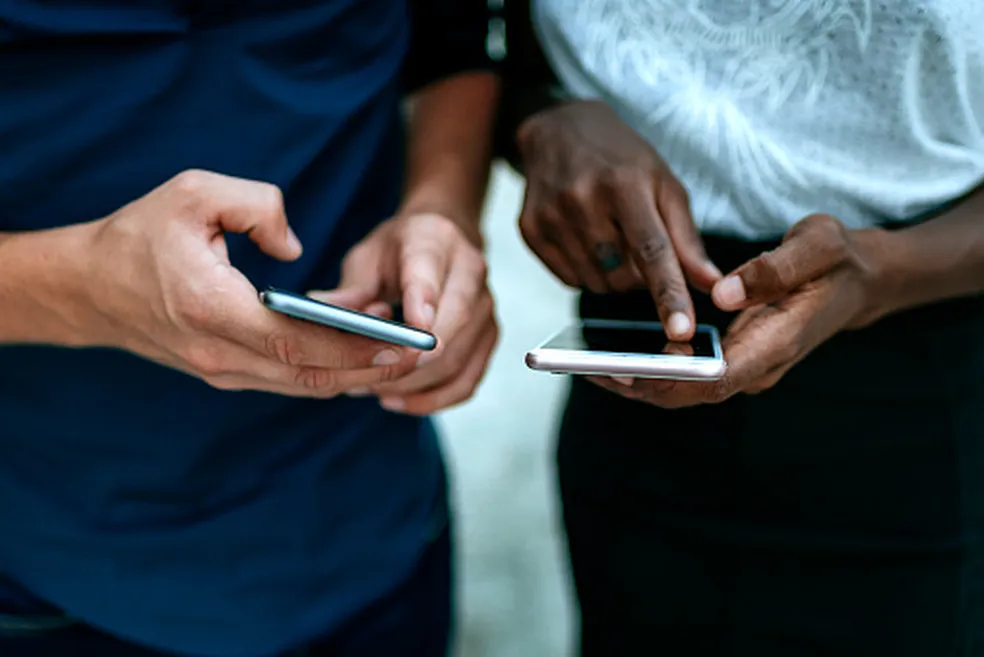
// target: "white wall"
[[513, 580]]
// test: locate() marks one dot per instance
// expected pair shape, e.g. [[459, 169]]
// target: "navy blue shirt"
[[141, 500]]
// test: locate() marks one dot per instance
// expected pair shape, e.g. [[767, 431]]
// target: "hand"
[[604, 211], [820, 281], [162, 287], [426, 262]]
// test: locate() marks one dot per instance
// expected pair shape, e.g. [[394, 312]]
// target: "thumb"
[[811, 249]]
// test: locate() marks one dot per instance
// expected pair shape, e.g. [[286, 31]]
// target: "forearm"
[[41, 291], [938, 260], [450, 147]]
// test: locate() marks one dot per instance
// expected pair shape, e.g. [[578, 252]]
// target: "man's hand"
[[820, 281], [604, 211], [161, 285], [426, 262]]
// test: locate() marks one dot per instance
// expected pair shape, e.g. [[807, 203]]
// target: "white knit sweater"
[[770, 110]]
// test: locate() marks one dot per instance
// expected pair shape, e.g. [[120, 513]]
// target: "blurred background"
[[514, 592]]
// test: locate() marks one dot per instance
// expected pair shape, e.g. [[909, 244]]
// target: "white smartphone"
[[345, 319], [634, 349]]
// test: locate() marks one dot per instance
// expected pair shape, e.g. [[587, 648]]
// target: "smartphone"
[[635, 349], [345, 319]]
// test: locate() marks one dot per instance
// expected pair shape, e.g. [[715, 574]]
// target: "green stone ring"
[[608, 256]]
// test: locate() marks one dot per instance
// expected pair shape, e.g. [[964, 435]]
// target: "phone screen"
[[634, 340]]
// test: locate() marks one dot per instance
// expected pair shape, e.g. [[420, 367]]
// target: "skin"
[[429, 257], [822, 280], [603, 211], [154, 278]]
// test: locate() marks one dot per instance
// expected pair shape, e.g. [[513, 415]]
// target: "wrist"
[[885, 270], [43, 287]]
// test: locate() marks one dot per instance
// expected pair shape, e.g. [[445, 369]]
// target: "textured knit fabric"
[[770, 110]]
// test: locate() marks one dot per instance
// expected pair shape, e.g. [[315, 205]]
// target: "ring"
[[608, 256]]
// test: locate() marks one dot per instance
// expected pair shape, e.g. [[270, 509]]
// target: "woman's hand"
[[603, 211], [821, 280]]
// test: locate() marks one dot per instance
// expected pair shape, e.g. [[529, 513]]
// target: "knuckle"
[[789, 350], [390, 373], [284, 349], [191, 183], [316, 379], [653, 248], [206, 361], [678, 192], [476, 266], [193, 311], [272, 199], [584, 189], [828, 232], [775, 274], [576, 195], [621, 176]]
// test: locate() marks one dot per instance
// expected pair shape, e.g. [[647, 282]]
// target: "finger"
[[236, 205], [674, 206], [767, 382], [558, 231], [459, 390], [380, 309], [618, 386], [678, 349], [814, 247], [354, 298], [426, 259], [653, 251], [600, 239], [463, 298], [237, 314], [364, 269], [236, 368], [435, 370], [548, 253], [608, 249], [555, 260], [754, 346]]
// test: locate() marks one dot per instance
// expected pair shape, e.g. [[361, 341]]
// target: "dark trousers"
[[840, 514], [414, 621]]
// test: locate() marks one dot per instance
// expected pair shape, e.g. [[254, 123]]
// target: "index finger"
[[424, 268], [635, 208], [459, 301]]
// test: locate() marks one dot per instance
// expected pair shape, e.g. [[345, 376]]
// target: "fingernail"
[[392, 404], [358, 392], [293, 243], [426, 357], [730, 291], [626, 381], [713, 270], [387, 357], [678, 325], [429, 314]]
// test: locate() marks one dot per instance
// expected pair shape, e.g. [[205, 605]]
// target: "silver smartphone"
[[345, 319], [634, 349]]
